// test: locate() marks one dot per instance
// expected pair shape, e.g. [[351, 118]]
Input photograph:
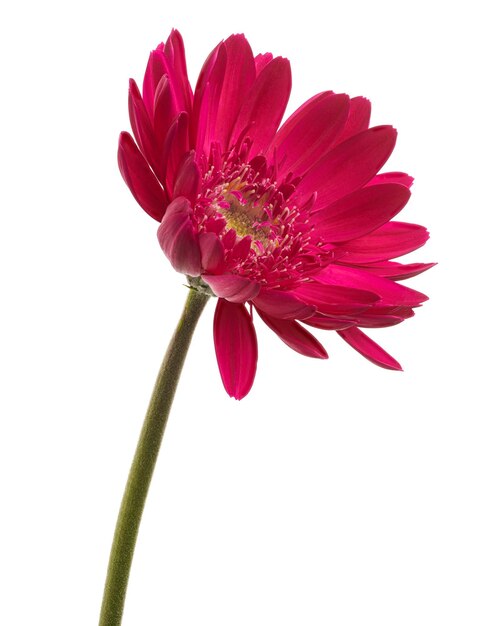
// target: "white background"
[[336, 492]]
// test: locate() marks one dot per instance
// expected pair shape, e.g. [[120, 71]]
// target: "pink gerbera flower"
[[292, 222]]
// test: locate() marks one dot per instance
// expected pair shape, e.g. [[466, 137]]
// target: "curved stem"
[[143, 464]]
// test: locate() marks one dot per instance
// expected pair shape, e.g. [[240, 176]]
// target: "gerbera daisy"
[[293, 222]]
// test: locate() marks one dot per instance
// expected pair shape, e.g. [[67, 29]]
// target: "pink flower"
[[292, 222]]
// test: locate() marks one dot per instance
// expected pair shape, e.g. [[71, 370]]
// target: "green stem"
[[143, 464]]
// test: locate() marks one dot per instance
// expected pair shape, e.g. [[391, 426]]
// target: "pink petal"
[[164, 109], [141, 126], [309, 133], [348, 166], [335, 300], [174, 150], [236, 347], [358, 118], [212, 253], [387, 242], [295, 336], [397, 271], [206, 98], [188, 179], [360, 212], [392, 177], [139, 178], [178, 238], [241, 249], [176, 64], [232, 287], [366, 320], [282, 304], [156, 68], [264, 106], [369, 348], [329, 323], [262, 61], [391, 293], [239, 76]]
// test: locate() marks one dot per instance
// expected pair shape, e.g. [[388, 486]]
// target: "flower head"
[[291, 221]]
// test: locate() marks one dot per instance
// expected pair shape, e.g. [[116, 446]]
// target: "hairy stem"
[[143, 464]]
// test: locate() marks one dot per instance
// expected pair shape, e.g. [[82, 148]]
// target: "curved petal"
[[156, 68], [309, 133], [366, 320], [336, 300], [207, 97], [369, 348], [261, 61], [239, 76], [295, 336], [264, 106], [178, 238], [324, 322], [164, 109], [212, 253], [175, 148], [390, 292], [348, 166], [360, 212], [282, 304], [141, 126], [392, 177], [387, 242], [139, 178], [232, 287], [358, 118], [176, 64], [188, 179], [397, 271], [236, 347]]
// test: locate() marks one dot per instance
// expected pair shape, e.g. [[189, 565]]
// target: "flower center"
[[244, 211], [264, 235]]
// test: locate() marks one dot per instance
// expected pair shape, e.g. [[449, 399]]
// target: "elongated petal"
[[178, 238], [325, 322], [375, 317], [174, 150], [139, 178], [232, 287], [392, 177], [397, 271], [265, 105], [360, 212], [366, 320], [207, 98], [369, 348], [142, 127], [387, 242], [358, 118], [164, 109], [390, 292], [335, 300], [309, 133], [236, 347], [282, 304], [295, 336], [156, 68], [239, 76], [348, 166], [176, 64]]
